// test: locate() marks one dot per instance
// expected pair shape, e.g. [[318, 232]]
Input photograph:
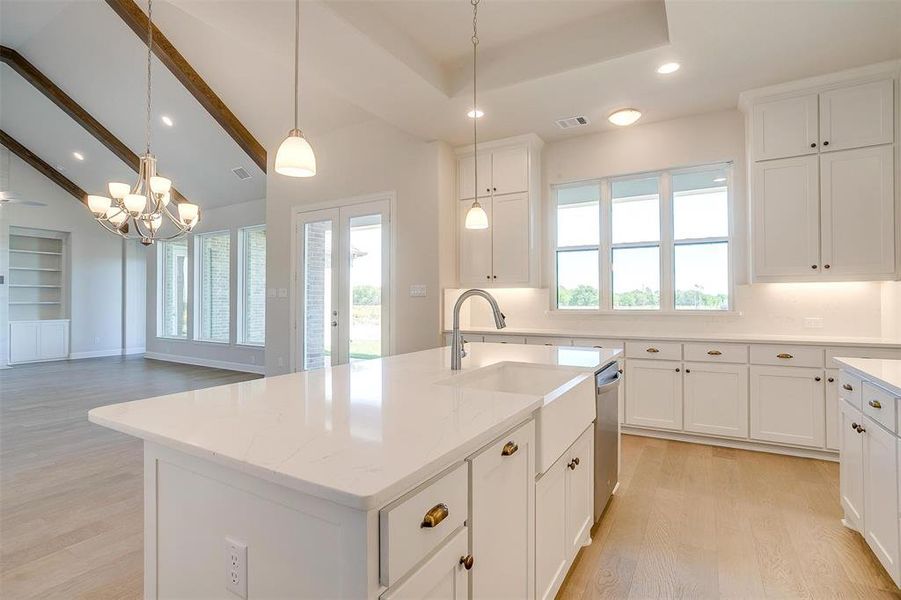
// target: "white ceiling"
[[407, 62]]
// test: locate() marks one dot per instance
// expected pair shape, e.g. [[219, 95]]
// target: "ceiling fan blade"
[[18, 202]]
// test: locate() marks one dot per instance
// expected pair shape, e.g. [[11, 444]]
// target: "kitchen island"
[[359, 480]]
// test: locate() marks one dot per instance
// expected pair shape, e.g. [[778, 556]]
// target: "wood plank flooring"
[[694, 521], [71, 493], [689, 521]]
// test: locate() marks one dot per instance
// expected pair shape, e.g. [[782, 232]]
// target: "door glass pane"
[[702, 276], [636, 210], [174, 284], [578, 212], [317, 281], [577, 279], [213, 286], [700, 205], [365, 287], [636, 278], [253, 261]]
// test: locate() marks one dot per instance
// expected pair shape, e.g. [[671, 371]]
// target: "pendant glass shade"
[[476, 218], [295, 156], [135, 203], [160, 185], [188, 213], [99, 205], [119, 190]]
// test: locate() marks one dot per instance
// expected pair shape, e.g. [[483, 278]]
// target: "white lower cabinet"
[[503, 497], [443, 576], [833, 436], [788, 405], [851, 464], [880, 475], [31, 341], [564, 504], [716, 399], [654, 393]]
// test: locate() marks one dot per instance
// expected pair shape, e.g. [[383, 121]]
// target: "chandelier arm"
[[182, 228], [112, 229]]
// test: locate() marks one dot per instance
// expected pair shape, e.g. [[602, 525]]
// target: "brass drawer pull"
[[510, 448], [875, 403], [847, 386], [573, 464], [652, 350], [784, 355], [714, 352], [435, 515], [467, 561]]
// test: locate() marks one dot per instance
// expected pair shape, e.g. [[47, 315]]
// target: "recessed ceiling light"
[[475, 113], [624, 116], [667, 68], [78, 155], [719, 180], [166, 121]]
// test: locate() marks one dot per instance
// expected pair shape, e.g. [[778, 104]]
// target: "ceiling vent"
[[241, 173], [572, 122]]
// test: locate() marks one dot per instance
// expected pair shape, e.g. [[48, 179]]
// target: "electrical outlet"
[[813, 322], [282, 292], [236, 567], [417, 290]]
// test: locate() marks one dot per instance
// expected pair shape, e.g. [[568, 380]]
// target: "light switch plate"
[[418, 290], [271, 292], [282, 292], [813, 322]]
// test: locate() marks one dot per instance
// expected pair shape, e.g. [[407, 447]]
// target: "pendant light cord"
[[149, 55], [296, 58], [475, 114]]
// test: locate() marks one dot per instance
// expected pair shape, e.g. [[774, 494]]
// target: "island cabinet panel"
[[442, 577], [503, 500], [716, 399], [881, 494], [851, 464], [788, 405], [580, 490], [654, 394]]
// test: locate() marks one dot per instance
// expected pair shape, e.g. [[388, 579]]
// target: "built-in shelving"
[[37, 278], [16, 251]]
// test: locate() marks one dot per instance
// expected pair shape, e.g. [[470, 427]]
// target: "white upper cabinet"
[[786, 218], [857, 116], [784, 128], [510, 240], [475, 246], [466, 176], [510, 170]]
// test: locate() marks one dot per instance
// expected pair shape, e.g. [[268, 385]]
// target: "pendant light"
[[476, 217], [295, 156]]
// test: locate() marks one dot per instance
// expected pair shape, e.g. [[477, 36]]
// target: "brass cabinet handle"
[[467, 561], [652, 350], [573, 464], [510, 448], [714, 352], [435, 515], [784, 355], [847, 386], [875, 403]]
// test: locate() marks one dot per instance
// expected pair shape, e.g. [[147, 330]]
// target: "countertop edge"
[[865, 374]]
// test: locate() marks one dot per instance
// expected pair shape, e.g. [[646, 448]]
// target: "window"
[[213, 250], [172, 317], [252, 295], [652, 242]]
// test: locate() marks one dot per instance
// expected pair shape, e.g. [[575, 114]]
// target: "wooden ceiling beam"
[[42, 167], [43, 84], [136, 19]]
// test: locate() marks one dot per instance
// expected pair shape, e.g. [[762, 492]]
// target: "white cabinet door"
[[858, 211], [785, 128], [716, 399], [654, 393], [881, 494], [510, 239], [510, 170], [475, 247], [788, 405], [833, 437], [551, 544], [857, 116], [851, 464], [24, 341], [503, 496], [580, 491], [54, 340], [442, 576], [786, 217], [466, 175]]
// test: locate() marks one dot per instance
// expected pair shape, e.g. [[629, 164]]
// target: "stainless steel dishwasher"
[[606, 436]]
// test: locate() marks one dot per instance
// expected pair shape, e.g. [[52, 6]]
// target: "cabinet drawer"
[[879, 404], [654, 350], [849, 388], [549, 341], [789, 356], [716, 352], [505, 339], [404, 537], [598, 343]]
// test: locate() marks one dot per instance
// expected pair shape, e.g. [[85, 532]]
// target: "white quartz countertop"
[[884, 372], [812, 340], [359, 434]]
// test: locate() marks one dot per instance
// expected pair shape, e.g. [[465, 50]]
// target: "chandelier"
[[137, 212]]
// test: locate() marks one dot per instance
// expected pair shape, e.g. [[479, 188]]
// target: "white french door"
[[342, 283]]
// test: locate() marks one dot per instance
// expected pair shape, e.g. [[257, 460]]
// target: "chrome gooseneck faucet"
[[457, 351]]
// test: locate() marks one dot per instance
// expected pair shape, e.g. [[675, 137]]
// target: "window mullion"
[[605, 275], [667, 292]]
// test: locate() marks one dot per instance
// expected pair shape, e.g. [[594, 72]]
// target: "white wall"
[[868, 309], [95, 258], [229, 355], [359, 160]]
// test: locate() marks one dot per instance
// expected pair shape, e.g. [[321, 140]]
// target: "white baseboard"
[[831, 455], [134, 350], [205, 362], [95, 354]]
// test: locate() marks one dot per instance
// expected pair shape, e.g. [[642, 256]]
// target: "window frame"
[[667, 244], [198, 286], [161, 276], [241, 324]]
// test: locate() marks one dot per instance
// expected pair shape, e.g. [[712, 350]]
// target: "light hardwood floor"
[[71, 493], [693, 521]]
